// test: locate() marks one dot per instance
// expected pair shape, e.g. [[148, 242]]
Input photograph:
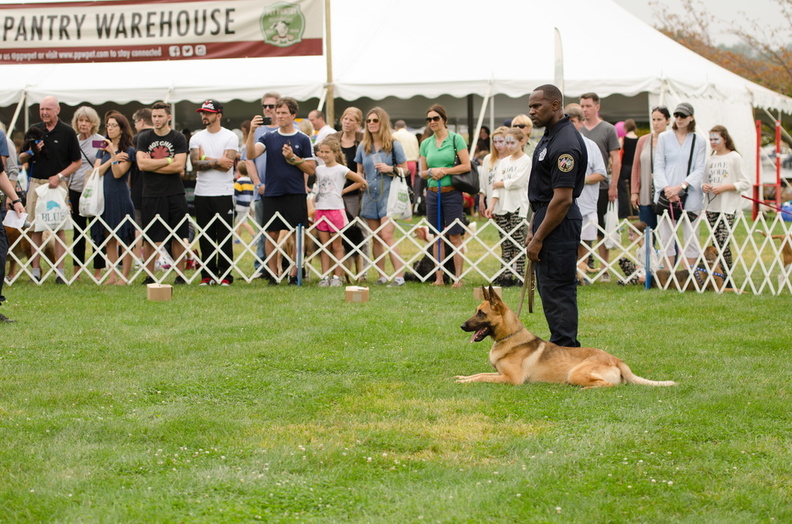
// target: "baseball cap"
[[211, 106], [684, 108]]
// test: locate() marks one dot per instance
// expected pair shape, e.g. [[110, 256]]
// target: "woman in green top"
[[437, 166]]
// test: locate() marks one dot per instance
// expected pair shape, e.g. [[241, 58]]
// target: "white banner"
[[158, 30]]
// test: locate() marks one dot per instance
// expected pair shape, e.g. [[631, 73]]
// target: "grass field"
[[282, 404]]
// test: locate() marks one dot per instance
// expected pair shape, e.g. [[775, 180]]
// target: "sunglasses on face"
[[521, 126], [372, 120], [680, 115], [432, 118], [268, 106]]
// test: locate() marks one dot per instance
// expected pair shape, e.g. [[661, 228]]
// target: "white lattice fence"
[[757, 268]]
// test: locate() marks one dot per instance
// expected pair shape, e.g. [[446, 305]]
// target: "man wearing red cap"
[[212, 153]]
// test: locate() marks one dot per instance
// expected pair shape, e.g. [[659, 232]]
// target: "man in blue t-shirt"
[[288, 165]]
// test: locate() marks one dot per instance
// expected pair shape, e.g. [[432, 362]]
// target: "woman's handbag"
[[399, 206], [677, 208], [92, 199], [465, 182], [612, 225]]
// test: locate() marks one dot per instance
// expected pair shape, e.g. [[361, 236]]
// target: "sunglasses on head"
[[659, 108], [268, 106], [432, 118], [521, 126], [372, 120]]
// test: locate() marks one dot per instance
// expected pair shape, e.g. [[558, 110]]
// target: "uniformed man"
[[557, 179]]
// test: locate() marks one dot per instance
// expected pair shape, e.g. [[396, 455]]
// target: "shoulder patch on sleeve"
[[566, 163]]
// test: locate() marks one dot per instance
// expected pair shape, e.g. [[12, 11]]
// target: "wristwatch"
[[685, 186], [15, 202]]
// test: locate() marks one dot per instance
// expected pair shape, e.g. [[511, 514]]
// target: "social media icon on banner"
[[174, 51], [187, 50], [200, 50]]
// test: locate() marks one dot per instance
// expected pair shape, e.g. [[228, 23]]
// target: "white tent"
[[432, 48]]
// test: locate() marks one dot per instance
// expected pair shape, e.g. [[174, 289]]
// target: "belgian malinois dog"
[[519, 356]]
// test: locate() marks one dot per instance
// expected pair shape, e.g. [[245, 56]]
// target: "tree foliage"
[[765, 57]]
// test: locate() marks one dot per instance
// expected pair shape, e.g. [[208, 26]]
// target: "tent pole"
[[330, 113], [484, 102], [16, 113]]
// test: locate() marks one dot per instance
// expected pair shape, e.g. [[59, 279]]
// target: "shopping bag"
[[92, 198], [51, 209], [399, 207], [612, 225]]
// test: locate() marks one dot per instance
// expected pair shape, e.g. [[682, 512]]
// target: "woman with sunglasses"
[[524, 124], [444, 204], [724, 181], [679, 168], [377, 158], [643, 165]]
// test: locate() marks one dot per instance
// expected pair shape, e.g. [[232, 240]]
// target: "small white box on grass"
[[159, 292], [357, 294]]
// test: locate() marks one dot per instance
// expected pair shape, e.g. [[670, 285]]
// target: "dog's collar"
[[509, 336], [702, 270]]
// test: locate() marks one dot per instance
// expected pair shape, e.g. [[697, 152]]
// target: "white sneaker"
[[335, 282], [605, 278], [397, 282], [325, 282], [381, 281]]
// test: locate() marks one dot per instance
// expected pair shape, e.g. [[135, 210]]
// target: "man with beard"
[[212, 153], [161, 156]]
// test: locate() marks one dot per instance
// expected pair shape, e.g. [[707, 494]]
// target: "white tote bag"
[[612, 225], [399, 207], [92, 199], [51, 209]]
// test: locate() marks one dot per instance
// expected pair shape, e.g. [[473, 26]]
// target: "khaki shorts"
[[32, 196]]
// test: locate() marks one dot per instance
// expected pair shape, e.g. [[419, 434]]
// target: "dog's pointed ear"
[[485, 293], [493, 298]]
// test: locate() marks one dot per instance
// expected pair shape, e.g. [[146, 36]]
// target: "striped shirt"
[[243, 191]]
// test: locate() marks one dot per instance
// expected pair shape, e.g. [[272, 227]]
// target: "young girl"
[[330, 215], [488, 167], [509, 204], [724, 181]]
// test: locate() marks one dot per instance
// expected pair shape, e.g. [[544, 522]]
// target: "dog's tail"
[[631, 378]]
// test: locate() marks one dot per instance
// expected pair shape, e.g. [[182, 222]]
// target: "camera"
[[267, 121], [98, 144]]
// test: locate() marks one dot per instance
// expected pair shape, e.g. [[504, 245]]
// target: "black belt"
[[536, 206]]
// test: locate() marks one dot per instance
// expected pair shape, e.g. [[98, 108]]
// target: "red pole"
[[778, 163], [757, 186]]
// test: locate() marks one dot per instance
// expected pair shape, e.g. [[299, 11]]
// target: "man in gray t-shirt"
[[604, 135]]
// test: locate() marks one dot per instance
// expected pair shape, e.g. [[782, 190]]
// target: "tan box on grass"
[[478, 295], [159, 292], [357, 294]]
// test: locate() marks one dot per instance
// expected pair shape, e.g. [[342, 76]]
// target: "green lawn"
[[283, 404]]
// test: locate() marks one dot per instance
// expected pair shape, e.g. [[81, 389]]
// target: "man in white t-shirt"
[[587, 201], [323, 130], [212, 153]]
